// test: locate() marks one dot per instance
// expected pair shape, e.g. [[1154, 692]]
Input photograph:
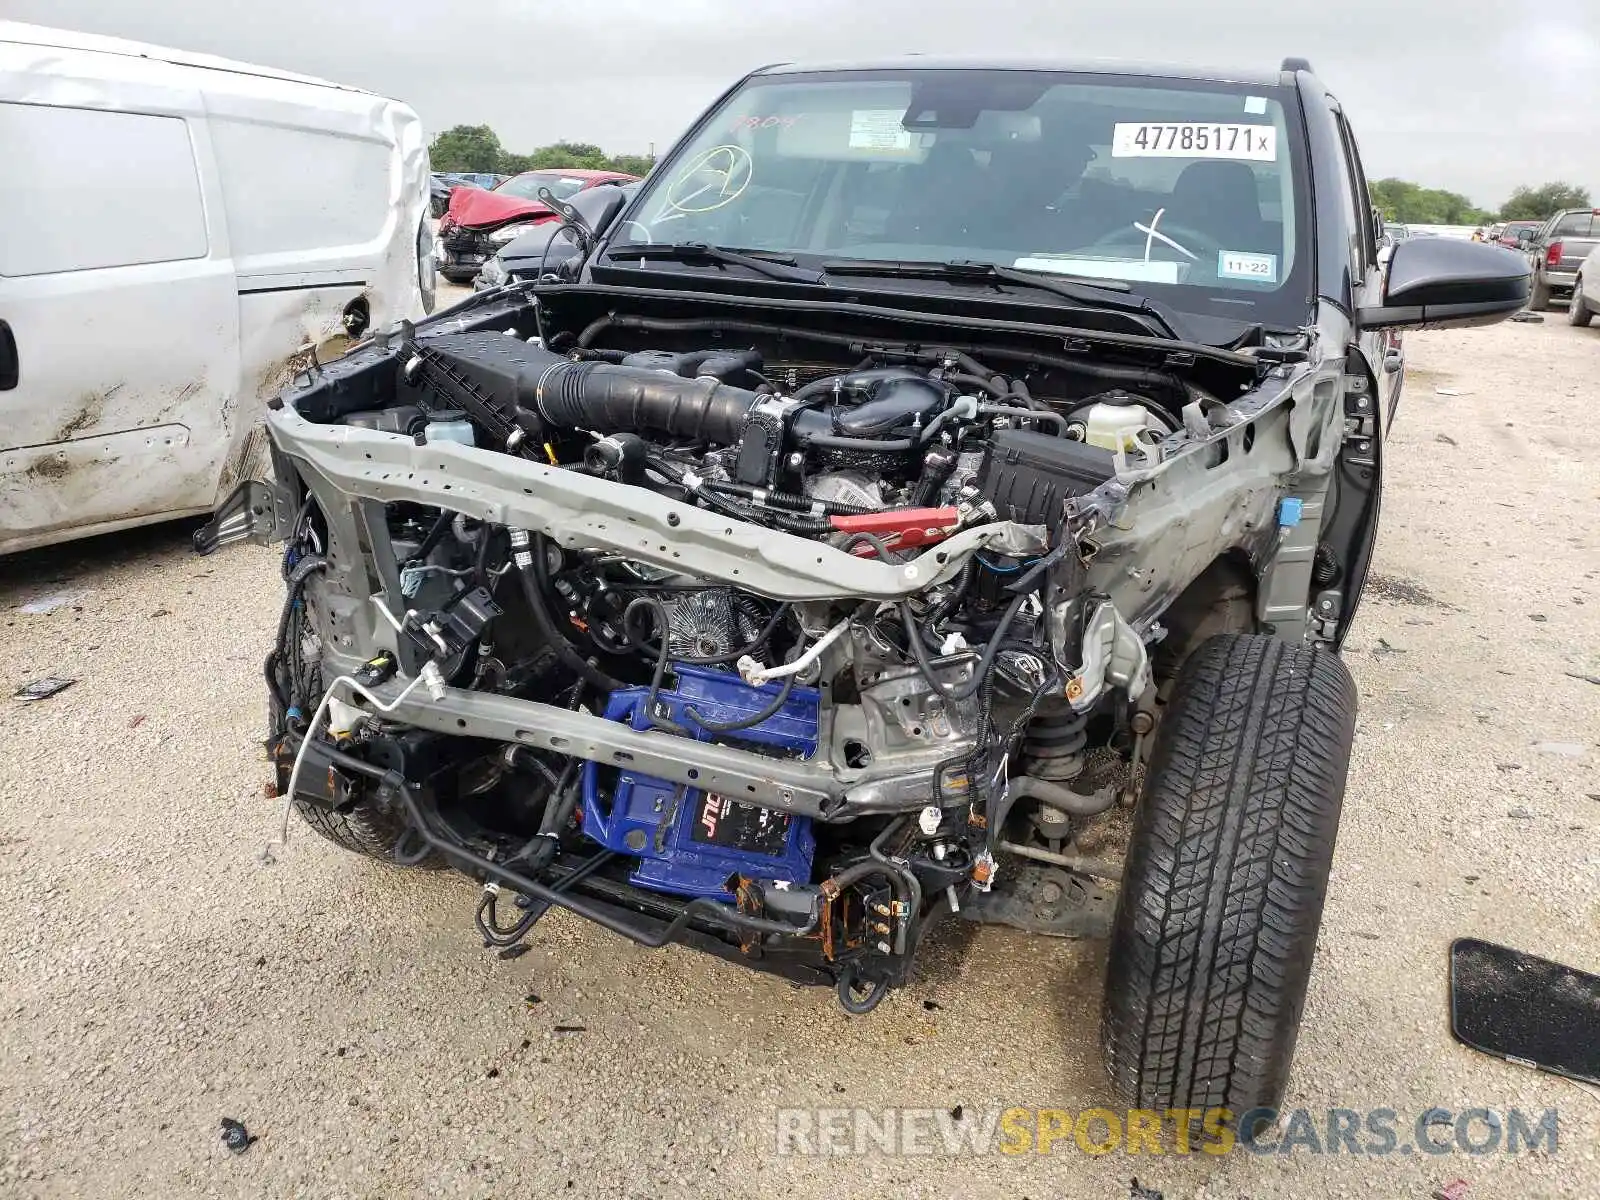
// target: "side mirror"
[[597, 207], [1441, 282]]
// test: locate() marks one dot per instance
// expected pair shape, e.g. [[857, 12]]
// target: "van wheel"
[[1538, 295], [1578, 311], [369, 831], [1227, 869]]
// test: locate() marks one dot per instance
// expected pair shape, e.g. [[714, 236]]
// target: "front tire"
[[366, 830], [1578, 311], [1227, 870]]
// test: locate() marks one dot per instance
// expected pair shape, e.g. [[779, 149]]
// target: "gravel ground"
[[160, 976]]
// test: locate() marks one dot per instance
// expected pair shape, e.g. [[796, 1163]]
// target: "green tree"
[[478, 148], [1412, 204], [632, 164], [466, 148], [1537, 203]]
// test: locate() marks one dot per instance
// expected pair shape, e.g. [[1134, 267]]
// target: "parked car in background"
[[1556, 251], [546, 247], [1585, 300], [439, 189], [478, 223], [444, 183], [165, 267], [1393, 235], [1514, 233]]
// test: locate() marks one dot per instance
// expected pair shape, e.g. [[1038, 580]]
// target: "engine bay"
[[785, 650]]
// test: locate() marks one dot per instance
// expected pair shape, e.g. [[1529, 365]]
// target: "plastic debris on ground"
[[235, 1136], [1456, 1189], [43, 689]]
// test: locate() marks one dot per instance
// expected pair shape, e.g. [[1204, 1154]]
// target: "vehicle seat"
[[938, 197], [1220, 199]]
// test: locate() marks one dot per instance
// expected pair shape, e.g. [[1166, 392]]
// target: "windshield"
[[526, 186], [1576, 224], [1189, 191]]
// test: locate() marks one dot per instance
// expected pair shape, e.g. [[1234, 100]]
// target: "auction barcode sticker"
[[879, 129], [1194, 139]]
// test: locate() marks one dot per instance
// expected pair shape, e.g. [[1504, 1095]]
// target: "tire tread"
[[1227, 871]]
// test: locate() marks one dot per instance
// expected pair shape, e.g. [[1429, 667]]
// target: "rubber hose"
[[535, 582], [704, 907], [1025, 414], [958, 691], [611, 399]]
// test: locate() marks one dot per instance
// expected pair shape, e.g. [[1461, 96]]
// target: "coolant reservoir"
[[450, 427], [1119, 426]]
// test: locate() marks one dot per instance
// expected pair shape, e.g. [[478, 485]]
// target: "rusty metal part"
[[1097, 868]]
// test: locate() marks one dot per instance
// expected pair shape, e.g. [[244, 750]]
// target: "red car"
[[479, 222], [1512, 231]]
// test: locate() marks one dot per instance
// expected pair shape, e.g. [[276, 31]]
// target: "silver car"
[[1585, 291]]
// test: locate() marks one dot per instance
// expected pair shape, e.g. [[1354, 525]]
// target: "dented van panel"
[[188, 251]]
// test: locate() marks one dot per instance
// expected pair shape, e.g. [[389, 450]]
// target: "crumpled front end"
[[782, 653]]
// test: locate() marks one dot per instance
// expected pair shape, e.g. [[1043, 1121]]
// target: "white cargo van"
[[177, 234]]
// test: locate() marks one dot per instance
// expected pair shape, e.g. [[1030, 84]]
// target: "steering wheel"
[[1202, 245]]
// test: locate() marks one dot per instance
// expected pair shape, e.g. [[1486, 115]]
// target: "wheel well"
[[1221, 599]]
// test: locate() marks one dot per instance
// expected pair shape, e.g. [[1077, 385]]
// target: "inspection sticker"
[[1194, 139], [878, 129], [1237, 264]]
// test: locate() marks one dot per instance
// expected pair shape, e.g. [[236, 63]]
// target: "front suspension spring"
[[1054, 742]]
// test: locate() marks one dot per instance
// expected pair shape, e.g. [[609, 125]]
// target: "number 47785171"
[[1195, 139]]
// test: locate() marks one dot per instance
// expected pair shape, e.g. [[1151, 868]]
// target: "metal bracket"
[[261, 512]]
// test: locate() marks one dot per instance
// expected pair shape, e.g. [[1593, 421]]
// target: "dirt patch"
[[1401, 591], [1423, 377], [91, 407], [50, 468]]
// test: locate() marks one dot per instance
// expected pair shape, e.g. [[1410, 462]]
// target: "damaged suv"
[[939, 492]]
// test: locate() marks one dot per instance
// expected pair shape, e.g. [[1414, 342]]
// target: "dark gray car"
[[1556, 253]]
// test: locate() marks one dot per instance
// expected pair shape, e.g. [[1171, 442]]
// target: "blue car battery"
[[689, 841]]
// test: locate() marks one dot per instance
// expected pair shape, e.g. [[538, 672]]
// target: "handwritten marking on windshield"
[[1151, 235], [743, 124], [708, 181]]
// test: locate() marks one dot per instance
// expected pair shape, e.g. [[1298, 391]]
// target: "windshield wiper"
[[1097, 293], [773, 266]]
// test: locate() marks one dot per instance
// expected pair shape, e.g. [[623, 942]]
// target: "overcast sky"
[[1459, 94]]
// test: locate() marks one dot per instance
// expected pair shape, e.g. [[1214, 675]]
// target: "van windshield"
[[1187, 190]]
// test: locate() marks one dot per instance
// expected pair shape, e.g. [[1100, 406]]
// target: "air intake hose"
[[612, 399]]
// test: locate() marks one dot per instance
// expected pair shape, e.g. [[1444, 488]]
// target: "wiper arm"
[[1098, 293], [774, 267]]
